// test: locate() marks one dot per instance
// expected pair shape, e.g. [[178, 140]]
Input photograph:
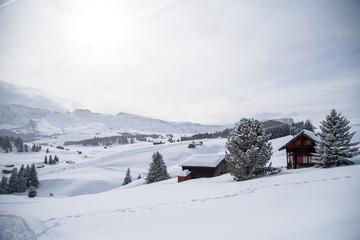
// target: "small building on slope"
[[299, 149], [202, 165]]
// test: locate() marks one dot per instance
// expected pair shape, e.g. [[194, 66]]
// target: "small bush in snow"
[[32, 192]]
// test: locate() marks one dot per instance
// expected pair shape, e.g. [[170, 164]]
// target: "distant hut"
[[203, 165], [299, 150], [157, 142], [194, 144]]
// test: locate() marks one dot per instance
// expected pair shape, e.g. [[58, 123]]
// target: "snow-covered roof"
[[203, 160], [305, 132], [184, 173]]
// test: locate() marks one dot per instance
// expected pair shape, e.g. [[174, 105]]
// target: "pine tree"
[[158, 170], [13, 181], [127, 178], [21, 180], [32, 192], [51, 161], [47, 150], [248, 150], [19, 144], [139, 177], [34, 181], [45, 160], [27, 170], [335, 147], [7, 145], [4, 186], [308, 126]]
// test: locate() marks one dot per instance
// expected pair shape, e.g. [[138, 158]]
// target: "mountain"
[[83, 123]]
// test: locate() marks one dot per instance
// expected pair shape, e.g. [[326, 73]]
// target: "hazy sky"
[[188, 60]]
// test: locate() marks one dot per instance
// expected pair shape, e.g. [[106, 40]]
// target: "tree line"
[[8, 143], [272, 128], [108, 141]]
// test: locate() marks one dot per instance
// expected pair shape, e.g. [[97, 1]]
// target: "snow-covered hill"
[[84, 123], [90, 203]]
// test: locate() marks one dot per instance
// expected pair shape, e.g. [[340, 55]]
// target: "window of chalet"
[[307, 159], [298, 142], [308, 143]]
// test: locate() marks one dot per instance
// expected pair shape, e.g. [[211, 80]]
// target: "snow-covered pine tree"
[[45, 160], [13, 181], [335, 147], [4, 186], [27, 169], [21, 180], [308, 126], [139, 177], [127, 178], [158, 170], [51, 161], [248, 150], [34, 181]]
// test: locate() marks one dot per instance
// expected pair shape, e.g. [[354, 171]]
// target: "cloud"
[[202, 60], [13, 94]]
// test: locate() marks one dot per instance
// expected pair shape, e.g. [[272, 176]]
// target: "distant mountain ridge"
[[41, 122]]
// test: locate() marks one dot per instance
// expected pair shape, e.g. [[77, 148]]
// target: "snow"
[[90, 202], [203, 160], [184, 173]]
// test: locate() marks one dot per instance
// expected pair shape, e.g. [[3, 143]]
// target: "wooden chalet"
[[299, 150], [202, 165]]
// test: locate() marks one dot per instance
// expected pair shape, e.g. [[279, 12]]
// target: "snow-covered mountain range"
[[41, 122]]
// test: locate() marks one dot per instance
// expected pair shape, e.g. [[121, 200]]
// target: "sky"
[[205, 61]]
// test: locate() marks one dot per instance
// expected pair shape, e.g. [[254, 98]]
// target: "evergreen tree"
[[4, 187], [47, 150], [56, 159], [32, 192], [127, 178], [34, 181], [335, 147], [248, 150], [13, 187], [139, 177], [45, 160], [51, 161], [297, 128], [158, 170], [19, 144], [26, 148], [27, 170], [6, 144], [21, 180], [308, 126]]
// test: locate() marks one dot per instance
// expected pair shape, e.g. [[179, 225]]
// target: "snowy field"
[[90, 203]]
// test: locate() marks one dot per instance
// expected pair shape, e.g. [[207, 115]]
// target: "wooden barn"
[[202, 165], [299, 150]]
